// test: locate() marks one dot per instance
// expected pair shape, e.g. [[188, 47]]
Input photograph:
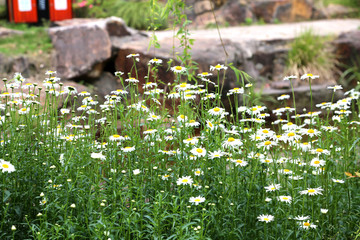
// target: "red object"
[[21, 11], [60, 10]]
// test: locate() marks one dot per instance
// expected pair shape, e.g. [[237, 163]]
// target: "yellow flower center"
[[231, 139], [197, 200], [192, 121], [178, 68], [267, 143], [316, 162], [205, 73], [305, 143], [285, 198], [310, 131], [210, 124], [291, 134], [266, 219], [216, 109], [267, 161], [167, 176], [182, 116], [239, 161], [218, 66], [289, 123], [116, 136], [286, 170], [319, 150], [5, 165], [311, 190], [265, 131], [199, 150], [306, 224], [185, 180]]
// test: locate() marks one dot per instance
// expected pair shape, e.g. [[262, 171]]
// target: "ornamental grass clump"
[[129, 168], [310, 53]]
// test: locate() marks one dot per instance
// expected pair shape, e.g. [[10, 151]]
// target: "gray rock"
[[10, 65], [82, 44], [106, 83]]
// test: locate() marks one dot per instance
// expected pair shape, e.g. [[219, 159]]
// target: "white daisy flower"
[[265, 218], [6, 166], [232, 142], [312, 191], [217, 67], [178, 69], [187, 180], [197, 200], [286, 199], [272, 187], [198, 152], [155, 61], [128, 149], [239, 162], [216, 111]]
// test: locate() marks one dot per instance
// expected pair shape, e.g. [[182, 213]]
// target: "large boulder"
[[91, 40], [348, 46]]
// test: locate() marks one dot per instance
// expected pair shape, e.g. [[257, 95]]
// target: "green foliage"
[[311, 53], [3, 13], [248, 21], [136, 14], [347, 3], [36, 39]]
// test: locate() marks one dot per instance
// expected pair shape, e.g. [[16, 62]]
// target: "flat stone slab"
[[270, 32]]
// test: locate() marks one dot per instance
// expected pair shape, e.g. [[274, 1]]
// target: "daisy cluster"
[[198, 150]]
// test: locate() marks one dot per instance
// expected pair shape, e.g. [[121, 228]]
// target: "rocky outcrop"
[[10, 65], [235, 12], [90, 39]]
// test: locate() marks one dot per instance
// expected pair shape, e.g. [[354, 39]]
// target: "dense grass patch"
[[33, 39], [311, 53]]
